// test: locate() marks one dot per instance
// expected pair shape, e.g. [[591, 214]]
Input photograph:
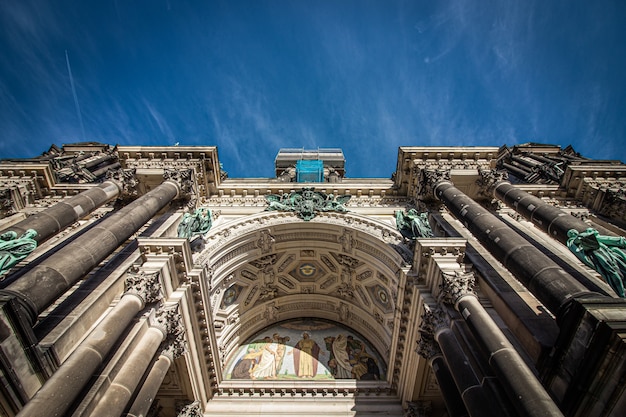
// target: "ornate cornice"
[[144, 285]]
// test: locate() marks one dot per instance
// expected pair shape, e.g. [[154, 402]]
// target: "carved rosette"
[[189, 410], [488, 180], [456, 285], [429, 179], [184, 179], [125, 179], [144, 285]]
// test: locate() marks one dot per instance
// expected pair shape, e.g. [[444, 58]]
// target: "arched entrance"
[[273, 275]]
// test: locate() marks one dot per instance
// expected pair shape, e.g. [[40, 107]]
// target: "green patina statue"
[[413, 224], [306, 203], [194, 224], [14, 249], [603, 253]]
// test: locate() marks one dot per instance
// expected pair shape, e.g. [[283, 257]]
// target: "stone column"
[[436, 322], [57, 217], [521, 385], [170, 350], [118, 394], [40, 286], [543, 277], [429, 350], [56, 396], [550, 219]]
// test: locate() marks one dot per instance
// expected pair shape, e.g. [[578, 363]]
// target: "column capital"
[[429, 177], [189, 410], [125, 180], [418, 409], [168, 320], [145, 285], [434, 320], [182, 177], [489, 178], [456, 285], [427, 347]]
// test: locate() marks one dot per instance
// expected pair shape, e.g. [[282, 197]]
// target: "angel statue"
[[14, 249], [413, 225], [197, 223], [605, 254]]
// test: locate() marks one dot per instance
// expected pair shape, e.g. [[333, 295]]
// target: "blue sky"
[[367, 76]]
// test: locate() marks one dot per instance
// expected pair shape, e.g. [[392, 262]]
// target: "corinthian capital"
[[189, 410], [125, 179], [433, 321], [456, 285], [144, 285], [168, 321], [427, 347], [489, 178], [183, 177], [429, 177]]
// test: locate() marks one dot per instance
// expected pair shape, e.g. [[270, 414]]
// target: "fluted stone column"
[[64, 213], [429, 350], [477, 403], [543, 277], [39, 287], [170, 350], [56, 396], [519, 382], [125, 383]]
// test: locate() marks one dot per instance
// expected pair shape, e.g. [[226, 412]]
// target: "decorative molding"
[[184, 179]]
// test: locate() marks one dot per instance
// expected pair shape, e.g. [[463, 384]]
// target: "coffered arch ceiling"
[[273, 266]]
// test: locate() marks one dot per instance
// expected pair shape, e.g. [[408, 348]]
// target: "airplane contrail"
[[80, 117]]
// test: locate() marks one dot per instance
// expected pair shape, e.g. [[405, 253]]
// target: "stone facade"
[[114, 314]]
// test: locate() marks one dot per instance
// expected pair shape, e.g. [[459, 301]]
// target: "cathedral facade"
[[476, 281]]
